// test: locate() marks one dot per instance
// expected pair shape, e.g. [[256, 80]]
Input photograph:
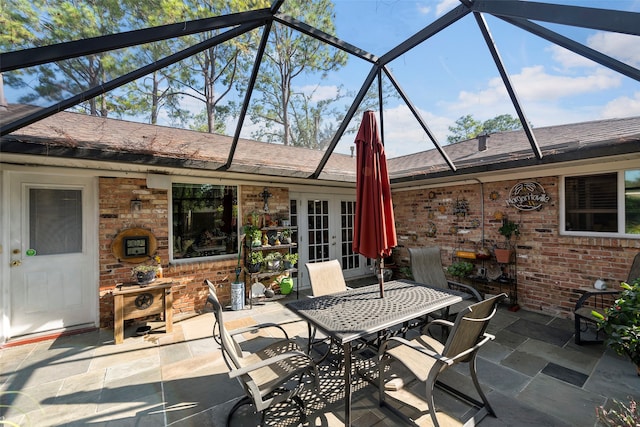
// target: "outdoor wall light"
[[136, 205]]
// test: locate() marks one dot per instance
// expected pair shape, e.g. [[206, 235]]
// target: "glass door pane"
[[318, 231], [55, 221]]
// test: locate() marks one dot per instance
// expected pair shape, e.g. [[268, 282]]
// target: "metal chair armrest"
[[470, 289], [418, 348], [588, 294], [486, 338], [255, 328], [270, 361]]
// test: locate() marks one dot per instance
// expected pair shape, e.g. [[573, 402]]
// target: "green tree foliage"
[[60, 21], [150, 95], [467, 127], [18, 18], [287, 116], [207, 77]]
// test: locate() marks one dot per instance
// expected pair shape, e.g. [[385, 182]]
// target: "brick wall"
[[189, 292], [251, 200], [550, 267]]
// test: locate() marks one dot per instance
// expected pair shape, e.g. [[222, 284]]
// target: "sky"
[[452, 74]]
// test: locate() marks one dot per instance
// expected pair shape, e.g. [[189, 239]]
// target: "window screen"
[[55, 221]]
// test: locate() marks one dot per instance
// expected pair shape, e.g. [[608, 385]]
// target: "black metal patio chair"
[[426, 358], [265, 375]]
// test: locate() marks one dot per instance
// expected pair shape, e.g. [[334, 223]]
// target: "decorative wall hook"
[[265, 196]]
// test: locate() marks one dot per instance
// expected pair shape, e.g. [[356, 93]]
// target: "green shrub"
[[460, 269], [621, 323]]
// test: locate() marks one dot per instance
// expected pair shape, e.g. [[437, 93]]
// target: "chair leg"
[[577, 331], [381, 389], [476, 383], [429, 386], [244, 401]]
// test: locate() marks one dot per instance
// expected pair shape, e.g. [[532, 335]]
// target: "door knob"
[[16, 263]]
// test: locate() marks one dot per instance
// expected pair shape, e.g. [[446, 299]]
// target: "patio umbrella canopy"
[[374, 233]]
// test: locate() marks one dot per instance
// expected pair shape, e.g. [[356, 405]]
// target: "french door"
[[325, 232]]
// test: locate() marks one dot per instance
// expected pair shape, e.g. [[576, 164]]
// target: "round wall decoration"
[[134, 245], [431, 229], [528, 196]]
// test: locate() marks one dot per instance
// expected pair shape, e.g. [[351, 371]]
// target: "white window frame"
[[185, 180], [620, 207]]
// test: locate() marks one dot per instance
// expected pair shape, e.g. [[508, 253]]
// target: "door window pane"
[[55, 221]]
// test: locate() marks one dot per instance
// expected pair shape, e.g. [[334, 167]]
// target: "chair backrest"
[[469, 327], [326, 277], [231, 351], [426, 266], [634, 272]]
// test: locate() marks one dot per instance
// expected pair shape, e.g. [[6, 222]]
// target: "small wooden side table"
[[132, 301]]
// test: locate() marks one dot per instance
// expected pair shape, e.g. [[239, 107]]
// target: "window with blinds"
[[593, 203]]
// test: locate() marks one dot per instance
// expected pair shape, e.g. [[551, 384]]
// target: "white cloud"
[[445, 6], [622, 107], [403, 134], [568, 59], [423, 9], [535, 84], [623, 47], [318, 92]]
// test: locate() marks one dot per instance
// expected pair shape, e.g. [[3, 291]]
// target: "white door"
[[325, 232], [53, 277]]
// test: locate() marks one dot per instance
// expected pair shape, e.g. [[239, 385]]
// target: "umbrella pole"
[[381, 275]]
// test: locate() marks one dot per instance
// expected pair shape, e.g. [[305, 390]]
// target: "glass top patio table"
[[356, 313]]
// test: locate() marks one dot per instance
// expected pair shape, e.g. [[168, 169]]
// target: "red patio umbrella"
[[374, 231]]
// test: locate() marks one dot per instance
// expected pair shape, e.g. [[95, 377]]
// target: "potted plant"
[[289, 260], [286, 236], [272, 261], [144, 273], [460, 269], [508, 229], [621, 323], [256, 258], [254, 236]]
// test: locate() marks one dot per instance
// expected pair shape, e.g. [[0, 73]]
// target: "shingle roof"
[[77, 135], [560, 142], [87, 137]]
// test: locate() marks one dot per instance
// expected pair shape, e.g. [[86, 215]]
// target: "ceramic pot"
[[145, 277], [503, 256], [273, 265]]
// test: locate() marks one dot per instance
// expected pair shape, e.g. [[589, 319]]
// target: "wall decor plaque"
[[528, 196]]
